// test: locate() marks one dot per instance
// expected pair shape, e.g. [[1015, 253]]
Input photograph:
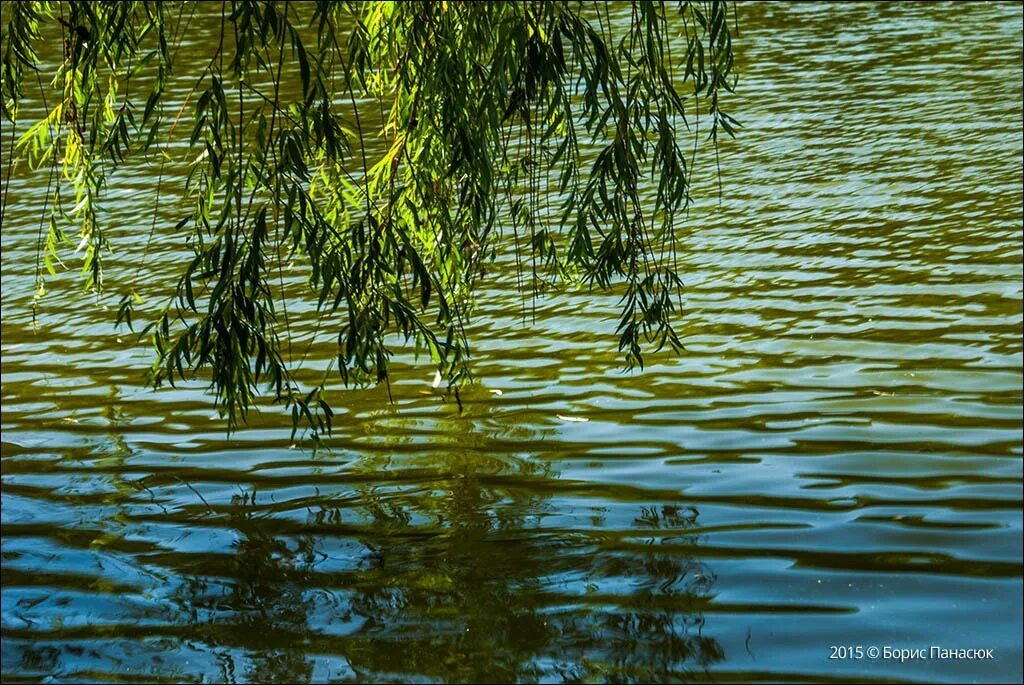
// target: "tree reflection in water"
[[458, 576]]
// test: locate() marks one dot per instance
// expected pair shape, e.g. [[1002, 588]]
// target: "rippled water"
[[836, 461]]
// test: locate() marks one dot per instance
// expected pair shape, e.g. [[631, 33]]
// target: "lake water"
[[835, 462]]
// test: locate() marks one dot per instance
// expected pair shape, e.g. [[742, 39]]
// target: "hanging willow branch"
[[485, 111]]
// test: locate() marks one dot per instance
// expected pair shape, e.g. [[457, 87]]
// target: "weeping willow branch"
[[458, 122]]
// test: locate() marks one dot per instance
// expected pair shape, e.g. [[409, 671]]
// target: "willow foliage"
[[486, 110]]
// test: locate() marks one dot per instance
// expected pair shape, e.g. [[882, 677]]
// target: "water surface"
[[835, 462]]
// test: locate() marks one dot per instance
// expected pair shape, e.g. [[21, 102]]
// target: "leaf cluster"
[[391, 151]]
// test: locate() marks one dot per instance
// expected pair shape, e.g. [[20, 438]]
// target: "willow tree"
[[487, 112]]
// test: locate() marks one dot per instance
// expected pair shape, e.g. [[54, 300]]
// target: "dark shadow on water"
[[468, 576], [452, 559], [482, 598]]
